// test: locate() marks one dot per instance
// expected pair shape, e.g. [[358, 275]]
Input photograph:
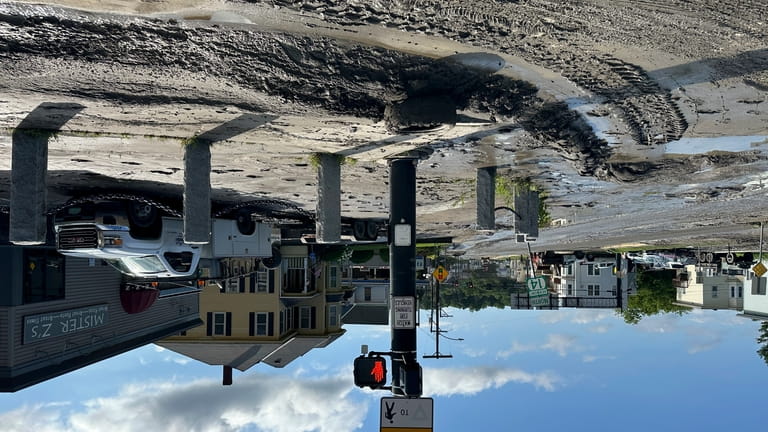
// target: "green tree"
[[763, 339], [656, 294]]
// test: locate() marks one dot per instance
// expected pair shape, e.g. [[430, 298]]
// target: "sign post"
[[406, 414], [537, 291]]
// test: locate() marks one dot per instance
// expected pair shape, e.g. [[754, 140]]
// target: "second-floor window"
[[333, 277], [593, 270], [593, 290], [261, 324], [714, 292]]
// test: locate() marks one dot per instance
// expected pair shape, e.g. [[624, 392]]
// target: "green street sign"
[[537, 291]]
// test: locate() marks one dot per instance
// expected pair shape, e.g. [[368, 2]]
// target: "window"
[[43, 276], [714, 292], [333, 316], [741, 291], [733, 291], [569, 270], [232, 286], [570, 290], [304, 317], [758, 286], [261, 324], [295, 278], [219, 323], [262, 278], [367, 294], [288, 319], [333, 277], [593, 290], [282, 321], [593, 270]]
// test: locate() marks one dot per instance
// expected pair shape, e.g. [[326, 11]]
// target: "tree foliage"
[[763, 339], [475, 293], [656, 293]]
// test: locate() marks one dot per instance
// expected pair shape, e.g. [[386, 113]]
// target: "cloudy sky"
[[532, 370]]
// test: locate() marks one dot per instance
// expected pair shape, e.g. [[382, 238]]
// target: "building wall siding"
[[88, 285]]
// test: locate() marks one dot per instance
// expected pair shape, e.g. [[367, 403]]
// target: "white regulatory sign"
[[403, 312], [406, 413]]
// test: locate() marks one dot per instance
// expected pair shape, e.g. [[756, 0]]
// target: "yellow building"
[[253, 314]]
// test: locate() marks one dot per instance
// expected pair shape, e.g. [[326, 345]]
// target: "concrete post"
[[328, 225], [527, 213], [406, 372], [197, 192], [29, 171], [486, 198]]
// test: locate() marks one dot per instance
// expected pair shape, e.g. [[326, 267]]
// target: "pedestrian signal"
[[370, 372]]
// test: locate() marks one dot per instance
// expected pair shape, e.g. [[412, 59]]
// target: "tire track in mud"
[[308, 72], [648, 110]]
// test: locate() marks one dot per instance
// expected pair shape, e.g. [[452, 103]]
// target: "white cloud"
[[588, 316], [472, 380], [593, 358], [559, 343], [271, 403], [516, 348], [600, 329], [474, 353]]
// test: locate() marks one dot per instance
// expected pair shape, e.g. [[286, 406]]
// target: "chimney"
[[227, 379]]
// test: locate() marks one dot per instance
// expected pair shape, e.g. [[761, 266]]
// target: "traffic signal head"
[[370, 372]]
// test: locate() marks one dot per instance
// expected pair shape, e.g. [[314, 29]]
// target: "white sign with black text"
[[403, 312]]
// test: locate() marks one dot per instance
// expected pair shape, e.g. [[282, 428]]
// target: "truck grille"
[[78, 238]]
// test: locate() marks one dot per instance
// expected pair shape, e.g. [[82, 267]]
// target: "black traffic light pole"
[[406, 371]]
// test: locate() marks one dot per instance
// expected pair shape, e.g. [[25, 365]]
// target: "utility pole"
[[406, 371]]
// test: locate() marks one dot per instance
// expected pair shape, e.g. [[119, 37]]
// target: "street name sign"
[[403, 312], [406, 414], [440, 273], [537, 291]]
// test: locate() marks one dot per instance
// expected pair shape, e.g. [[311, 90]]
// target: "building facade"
[[58, 314]]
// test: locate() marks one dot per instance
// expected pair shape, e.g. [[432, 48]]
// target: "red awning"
[[137, 300]]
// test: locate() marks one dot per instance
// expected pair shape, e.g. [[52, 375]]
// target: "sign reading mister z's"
[[43, 326]]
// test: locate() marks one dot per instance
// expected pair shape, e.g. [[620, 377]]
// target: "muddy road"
[[593, 104]]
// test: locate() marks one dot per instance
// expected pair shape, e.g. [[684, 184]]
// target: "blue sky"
[[532, 370]]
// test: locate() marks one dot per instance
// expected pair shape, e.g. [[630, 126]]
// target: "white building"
[[709, 286], [755, 297], [580, 278]]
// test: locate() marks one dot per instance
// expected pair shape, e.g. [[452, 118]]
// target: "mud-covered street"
[[641, 121]]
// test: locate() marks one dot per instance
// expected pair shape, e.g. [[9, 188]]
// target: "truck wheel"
[[245, 223], [141, 215], [371, 230], [359, 230]]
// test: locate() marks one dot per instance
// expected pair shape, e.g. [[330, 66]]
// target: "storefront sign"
[[43, 326]]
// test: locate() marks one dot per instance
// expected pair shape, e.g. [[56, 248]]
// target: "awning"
[[135, 300]]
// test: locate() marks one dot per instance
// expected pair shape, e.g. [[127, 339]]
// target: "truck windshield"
[[146, 264]]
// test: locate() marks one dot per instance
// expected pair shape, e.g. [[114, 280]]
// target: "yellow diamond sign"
[[759, 269], [440, 273]]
